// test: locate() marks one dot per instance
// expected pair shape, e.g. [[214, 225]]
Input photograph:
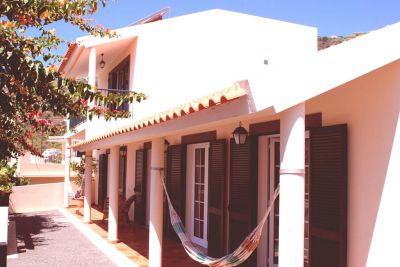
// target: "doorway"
[[197, 193], [269, 168]]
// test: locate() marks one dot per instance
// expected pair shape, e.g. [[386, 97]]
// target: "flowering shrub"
[[8, 177], [30, 83]]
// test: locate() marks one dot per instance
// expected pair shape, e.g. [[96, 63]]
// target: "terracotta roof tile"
[[235, 91], [70, 50]]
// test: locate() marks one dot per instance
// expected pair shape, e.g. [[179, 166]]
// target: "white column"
[[92, 70], [291, 201], [132, 61], [156, 203], [88, 187], [92, 66], [113, 180], [67, 171]]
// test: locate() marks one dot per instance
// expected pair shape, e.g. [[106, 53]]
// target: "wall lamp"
[[240, 134]]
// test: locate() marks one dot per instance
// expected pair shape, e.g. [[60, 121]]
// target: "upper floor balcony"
[[74, 122], [107, 92]]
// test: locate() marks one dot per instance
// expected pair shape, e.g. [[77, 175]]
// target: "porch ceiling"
[[237, 90], [76, 61]]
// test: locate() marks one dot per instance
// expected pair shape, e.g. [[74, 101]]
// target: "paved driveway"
[[48, 239]]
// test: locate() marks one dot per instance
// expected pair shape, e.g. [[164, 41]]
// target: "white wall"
[[37, 197], [370, 107], [183, 58]]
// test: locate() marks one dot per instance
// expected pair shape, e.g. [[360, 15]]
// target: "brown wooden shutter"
[[140, 186], [216, 198], [243, 193], [122, 175], [176, 183], [328, 196], [103, 166]]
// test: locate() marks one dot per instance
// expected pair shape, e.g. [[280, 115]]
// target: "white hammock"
[[238, 256]]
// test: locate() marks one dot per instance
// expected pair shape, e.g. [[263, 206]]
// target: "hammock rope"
[[238, 256]]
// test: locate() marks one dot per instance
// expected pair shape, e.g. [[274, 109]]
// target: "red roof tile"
[[218, 98], [70, 50]]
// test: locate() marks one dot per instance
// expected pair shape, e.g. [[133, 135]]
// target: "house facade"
[[322, 125]]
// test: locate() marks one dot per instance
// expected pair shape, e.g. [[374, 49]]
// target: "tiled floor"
[[134, 242]]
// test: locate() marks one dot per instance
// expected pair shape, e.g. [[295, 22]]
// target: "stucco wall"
[[37, 197], [194, 55], [29, 168], [183, 58], [370, 106]]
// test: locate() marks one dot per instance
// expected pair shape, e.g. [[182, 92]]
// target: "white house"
[[322, 124]]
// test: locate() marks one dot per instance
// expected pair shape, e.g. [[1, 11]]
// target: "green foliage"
[[30, 83], [79, 169], [8, 177]]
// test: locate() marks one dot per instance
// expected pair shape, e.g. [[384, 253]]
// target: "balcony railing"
[[106, 92], [74, 121]]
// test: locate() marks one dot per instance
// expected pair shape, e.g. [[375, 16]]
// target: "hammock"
[[245, 249]]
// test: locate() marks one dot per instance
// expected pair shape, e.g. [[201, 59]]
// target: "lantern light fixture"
[[102, 62], [123, 151], [240, 134]]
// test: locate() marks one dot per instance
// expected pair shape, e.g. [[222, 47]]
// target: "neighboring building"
[[46, 169], [323, 124]]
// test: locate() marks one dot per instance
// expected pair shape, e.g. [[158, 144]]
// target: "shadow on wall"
[[29, 226]]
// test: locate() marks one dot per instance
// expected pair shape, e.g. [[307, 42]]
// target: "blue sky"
[[331, 17]]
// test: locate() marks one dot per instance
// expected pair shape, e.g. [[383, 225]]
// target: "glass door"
[[197, 193], [273, 221]]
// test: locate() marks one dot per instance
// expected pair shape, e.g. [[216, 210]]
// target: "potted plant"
[[79, 180], [8, 179]]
